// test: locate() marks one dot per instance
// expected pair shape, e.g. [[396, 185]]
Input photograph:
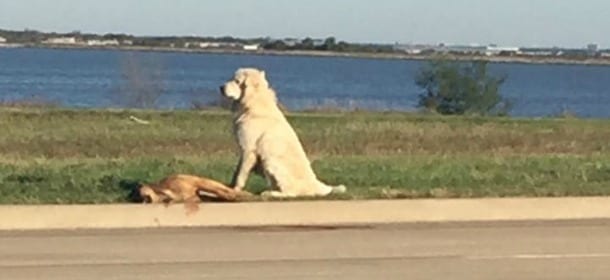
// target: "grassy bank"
[[87, 156]]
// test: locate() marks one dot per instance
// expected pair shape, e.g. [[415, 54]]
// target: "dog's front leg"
[[245, 165]]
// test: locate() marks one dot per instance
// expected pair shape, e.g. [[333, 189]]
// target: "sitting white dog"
[[266, 139]]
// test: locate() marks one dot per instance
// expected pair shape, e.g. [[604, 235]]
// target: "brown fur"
[[188, 189]]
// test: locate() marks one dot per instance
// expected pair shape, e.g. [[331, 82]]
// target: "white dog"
[[266, 139]]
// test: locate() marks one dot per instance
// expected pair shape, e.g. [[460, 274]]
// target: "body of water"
[[98, 78]]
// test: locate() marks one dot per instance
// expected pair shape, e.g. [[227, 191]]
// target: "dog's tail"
[[324, 189], [338, 189]]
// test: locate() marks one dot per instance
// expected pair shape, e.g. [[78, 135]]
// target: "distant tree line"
[[29, 36], [33, 37], [25, 36], [329, 44]]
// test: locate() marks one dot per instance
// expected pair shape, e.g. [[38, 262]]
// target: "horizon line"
[[289, 37]]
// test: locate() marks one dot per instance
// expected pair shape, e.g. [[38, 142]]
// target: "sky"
[[540, 23]]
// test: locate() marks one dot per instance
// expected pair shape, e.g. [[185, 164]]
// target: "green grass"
[[98, 156]]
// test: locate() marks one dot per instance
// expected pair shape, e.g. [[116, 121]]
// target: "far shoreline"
[[540, 60]]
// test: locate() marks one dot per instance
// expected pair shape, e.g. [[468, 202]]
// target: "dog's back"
[[186, 188], [195, 185]]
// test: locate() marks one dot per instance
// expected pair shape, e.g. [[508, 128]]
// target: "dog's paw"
[[339, 189], [267, 194], [275, 194]]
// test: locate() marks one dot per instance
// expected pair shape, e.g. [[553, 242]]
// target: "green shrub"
[[458, 88]]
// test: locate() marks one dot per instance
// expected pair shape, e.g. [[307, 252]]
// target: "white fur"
[[265, 136]]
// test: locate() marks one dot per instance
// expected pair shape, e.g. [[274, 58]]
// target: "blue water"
[[92, 78]]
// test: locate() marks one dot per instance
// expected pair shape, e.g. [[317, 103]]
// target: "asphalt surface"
[[527, 250]]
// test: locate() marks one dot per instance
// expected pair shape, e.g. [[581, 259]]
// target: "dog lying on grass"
[[189, 189]]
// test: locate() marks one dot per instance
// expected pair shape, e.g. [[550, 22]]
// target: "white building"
[[102, 43], [205, 45], [2, 40], [495, 50], [541, 53], [462, 49], [60, 41], [478, 49], [412, 49], [253, 47]]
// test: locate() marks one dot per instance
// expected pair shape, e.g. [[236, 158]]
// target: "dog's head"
[[148, 195], [244, 81]]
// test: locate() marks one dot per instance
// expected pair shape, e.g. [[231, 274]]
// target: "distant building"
[[462, 49], [2, 40], [102, 42], [205, 45], [496, 50], [253, 47], [592, 48], [478, 49], [554, 51], [411, 49], [127, 42], [60, 41], [457, 49], [538, 53], [208, 45]]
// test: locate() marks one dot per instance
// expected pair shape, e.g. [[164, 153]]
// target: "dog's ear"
[[255, 79], [262, 79], [248, 81], [252, 81]]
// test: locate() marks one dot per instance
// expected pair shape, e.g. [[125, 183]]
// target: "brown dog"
[[188, 189]]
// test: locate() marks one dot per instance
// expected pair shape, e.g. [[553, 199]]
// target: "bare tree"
[[142, 82]]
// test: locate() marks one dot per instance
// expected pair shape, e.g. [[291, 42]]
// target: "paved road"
[[532, 250]]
